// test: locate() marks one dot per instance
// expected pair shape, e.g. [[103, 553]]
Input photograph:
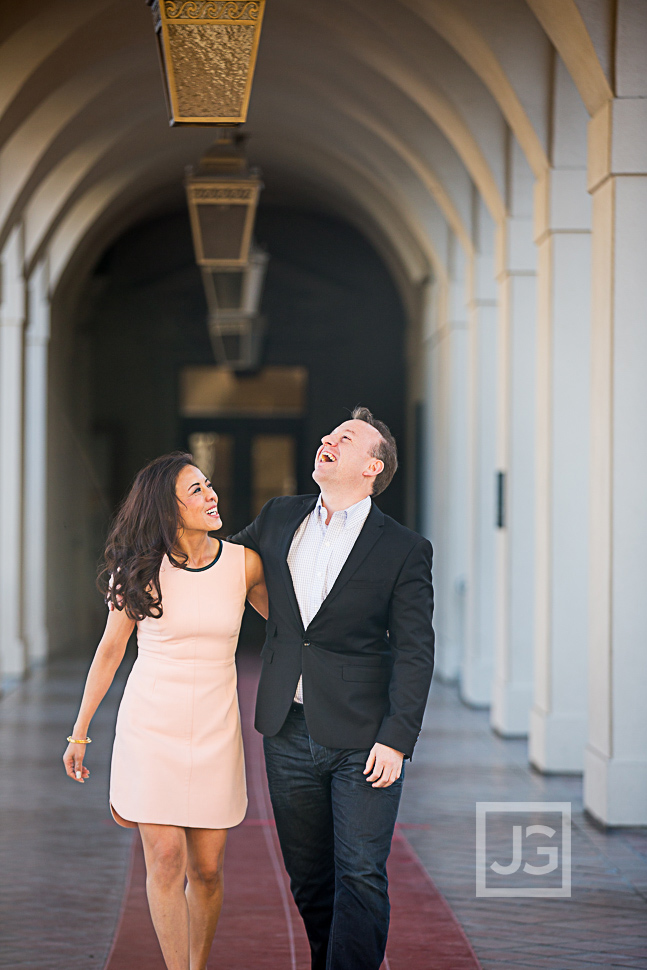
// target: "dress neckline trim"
[[200, 569]]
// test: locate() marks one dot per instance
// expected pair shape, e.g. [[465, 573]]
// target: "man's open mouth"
[[327, 456], [212, 512]]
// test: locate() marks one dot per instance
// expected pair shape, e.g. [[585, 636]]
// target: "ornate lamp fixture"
[[236, 290], [208, 53], [223, 195], [237, 339], [235, 325]]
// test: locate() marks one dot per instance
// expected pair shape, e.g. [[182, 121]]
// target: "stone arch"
[[565, 26]]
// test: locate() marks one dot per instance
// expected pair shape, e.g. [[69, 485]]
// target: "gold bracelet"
[[79, 740]]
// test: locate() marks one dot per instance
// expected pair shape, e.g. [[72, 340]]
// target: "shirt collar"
[[351, 515]]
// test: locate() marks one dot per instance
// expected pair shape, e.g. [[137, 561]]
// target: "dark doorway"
[[248, 461]]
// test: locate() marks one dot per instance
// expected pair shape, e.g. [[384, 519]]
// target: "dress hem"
[[131, 824]]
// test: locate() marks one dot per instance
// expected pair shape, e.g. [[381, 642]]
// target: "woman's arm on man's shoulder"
[[255, 579]]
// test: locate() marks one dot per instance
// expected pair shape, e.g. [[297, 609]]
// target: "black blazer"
[[367, 656]]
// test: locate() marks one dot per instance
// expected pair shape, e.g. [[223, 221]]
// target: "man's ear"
[[376, 466]]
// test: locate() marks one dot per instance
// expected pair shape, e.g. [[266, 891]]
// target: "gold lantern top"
[[208, 54], [223, 194]]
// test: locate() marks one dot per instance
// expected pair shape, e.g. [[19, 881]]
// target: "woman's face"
[[198, 501]]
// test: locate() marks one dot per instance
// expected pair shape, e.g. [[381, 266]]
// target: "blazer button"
[[306, 643]]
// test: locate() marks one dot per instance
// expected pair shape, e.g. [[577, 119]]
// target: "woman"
[[177, 767]]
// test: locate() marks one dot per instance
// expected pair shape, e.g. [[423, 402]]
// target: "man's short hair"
[[386, 450]]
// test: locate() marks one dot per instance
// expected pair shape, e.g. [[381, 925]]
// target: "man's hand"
[[386, 765]]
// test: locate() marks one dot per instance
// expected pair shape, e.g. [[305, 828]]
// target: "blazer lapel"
[[371, 532], [290, 526]]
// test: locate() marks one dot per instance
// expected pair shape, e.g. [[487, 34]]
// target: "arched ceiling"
[[391, 114]]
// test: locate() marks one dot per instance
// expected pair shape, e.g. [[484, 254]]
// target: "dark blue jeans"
[[335, 831]]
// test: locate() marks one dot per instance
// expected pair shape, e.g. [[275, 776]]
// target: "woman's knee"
[[206, 854], [166, 862], [208, 875]]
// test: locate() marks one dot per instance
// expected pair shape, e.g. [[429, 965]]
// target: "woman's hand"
[[73, 761]]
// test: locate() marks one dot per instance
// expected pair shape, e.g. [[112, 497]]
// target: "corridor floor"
[[66, 866]]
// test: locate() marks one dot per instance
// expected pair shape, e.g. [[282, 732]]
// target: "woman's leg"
[[165, 851], [206, 854]]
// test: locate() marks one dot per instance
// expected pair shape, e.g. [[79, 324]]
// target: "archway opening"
[[336, 327]]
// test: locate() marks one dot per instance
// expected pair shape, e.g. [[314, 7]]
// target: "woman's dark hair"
[[386, 451], [144, 528]]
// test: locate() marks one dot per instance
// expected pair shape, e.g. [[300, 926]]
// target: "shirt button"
[[318, 575], [326, 543], [306, 643]]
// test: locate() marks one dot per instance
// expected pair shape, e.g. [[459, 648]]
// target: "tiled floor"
[[63, 862], [459, 762]]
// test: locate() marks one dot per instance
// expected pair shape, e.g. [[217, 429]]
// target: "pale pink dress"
[[178, 751]]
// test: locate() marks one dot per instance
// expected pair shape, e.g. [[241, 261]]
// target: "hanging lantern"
[[208, 54], [237, 339], [223, 195], [232, 290]]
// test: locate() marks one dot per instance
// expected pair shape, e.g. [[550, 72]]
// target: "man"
[[347, 666]]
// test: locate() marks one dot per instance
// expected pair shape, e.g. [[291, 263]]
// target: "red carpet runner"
[[260, 928]]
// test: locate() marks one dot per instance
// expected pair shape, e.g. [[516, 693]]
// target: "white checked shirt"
[[317, 555]]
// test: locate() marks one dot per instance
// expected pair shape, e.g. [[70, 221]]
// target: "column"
[[429, 300], [515, 538], [615, 772], [448, 386], [35, 455], [477, 663], [436, 417], [562, 232], [12, 318], [456, 480]]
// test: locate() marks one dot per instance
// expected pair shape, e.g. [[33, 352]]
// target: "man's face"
[[345, 459]]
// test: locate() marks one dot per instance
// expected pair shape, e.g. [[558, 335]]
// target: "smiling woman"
[[197, 498], [146, 526], [177, 767]]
